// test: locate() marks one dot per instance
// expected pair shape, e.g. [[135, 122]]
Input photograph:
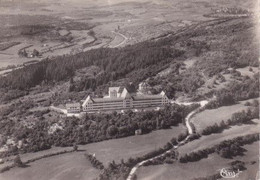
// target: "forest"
[[149, 58], [236, 91], [146, 59], [93, 128]]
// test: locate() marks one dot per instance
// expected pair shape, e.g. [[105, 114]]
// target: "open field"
[[61, 167], [133, 146], [203, 168], [211, 116]]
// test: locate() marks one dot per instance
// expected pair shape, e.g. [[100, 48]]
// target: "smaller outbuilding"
[[138, 132], [73, 107]]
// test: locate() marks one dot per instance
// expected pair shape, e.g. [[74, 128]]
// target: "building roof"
[[125, 94], [87, 100], [107, 99], [121, 89], [114, 89], [147, 97], [68, 105], [123, 98]]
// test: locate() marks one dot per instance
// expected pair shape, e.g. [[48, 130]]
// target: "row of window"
[[74, 108], [127, 102], [112, 105]]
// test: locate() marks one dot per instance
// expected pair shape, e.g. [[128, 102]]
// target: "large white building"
[[120, 99]]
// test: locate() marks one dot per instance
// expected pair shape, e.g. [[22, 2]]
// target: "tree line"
[[242, 117], [226, 149], [93, 128]]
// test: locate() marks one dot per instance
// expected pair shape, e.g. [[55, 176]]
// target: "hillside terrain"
[[194, 51]]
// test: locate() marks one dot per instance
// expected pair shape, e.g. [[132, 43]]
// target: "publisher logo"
[[227, 173]]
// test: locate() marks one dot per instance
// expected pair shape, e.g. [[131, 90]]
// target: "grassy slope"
[[212, 116], [134, 146], [61, 167], [205, 167], [106, 151]]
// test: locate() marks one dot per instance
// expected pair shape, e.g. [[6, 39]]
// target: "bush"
[[182, 136], [238, 165], [18, 162], [93, 160], [75, 147], [194, 136], [255, 103], [247, 103]]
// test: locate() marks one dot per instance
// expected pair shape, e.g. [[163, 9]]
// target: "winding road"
[[121, 43], [190, 131]]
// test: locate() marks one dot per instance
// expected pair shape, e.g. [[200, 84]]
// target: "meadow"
[[211, 116], [202, 168], [133, 146], [61, 167]]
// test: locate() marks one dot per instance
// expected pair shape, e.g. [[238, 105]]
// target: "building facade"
[[73, 107], [121, 99]]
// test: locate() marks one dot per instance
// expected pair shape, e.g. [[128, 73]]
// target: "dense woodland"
[[147, 58], [93, 128], [140, 61]]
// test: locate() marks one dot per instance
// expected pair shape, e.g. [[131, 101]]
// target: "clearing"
[[212, 116]]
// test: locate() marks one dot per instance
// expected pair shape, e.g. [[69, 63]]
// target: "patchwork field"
[[44, 24], [105, 151], [206, 167]]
